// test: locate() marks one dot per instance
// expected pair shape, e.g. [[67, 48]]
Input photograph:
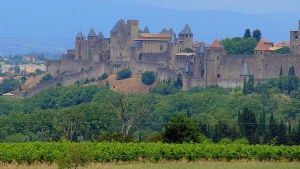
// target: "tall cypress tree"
[[250, 85], [245, 86], [280, 85], [273, 129], [281, 134]]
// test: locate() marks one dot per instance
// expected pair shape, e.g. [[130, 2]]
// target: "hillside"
[[130, 85]]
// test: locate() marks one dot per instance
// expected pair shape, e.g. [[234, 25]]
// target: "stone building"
[[167, 55]]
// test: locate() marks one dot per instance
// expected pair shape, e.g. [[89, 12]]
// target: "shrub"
[[46, 78], [241, 141], [225, 141], [148, 78], [124, 74], [103, 76]]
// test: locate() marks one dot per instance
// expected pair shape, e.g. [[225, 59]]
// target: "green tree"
[[148, 78], [273, 128], [179, 83], [188, 50], [245, 86], [250, 85], [247, 34], [180, 129], [283, 50], [249, 125], [256, 34], [123, 74], [281, 135], [239, 46]]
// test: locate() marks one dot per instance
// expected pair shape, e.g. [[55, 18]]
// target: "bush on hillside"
[[124, 74], [148, 78], [103, 76]]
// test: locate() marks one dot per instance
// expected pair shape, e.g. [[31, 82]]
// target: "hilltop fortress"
[[166, 54]]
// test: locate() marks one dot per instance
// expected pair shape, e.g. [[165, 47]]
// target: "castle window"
[[140, 57], [120, 54], [187, 36], [161, 48], [218, 76]]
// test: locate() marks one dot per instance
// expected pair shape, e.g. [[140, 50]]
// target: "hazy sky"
[[246, 6]]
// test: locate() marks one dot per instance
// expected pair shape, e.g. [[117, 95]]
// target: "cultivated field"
[[176, 165]]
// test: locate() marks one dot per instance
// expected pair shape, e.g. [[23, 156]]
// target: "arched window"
[[140, 57], [218, 76]]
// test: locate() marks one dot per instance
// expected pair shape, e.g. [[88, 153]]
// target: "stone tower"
[[186, 77], [172, 50], [79, 46], [245, 73], [295, 41], [212, 60], [92, 38], [186, 37], [133, 30], [199, 61]]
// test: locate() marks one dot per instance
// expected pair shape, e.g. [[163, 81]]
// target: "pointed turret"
[[216, 44], [186, 30], [201, 49], [164, 31], [92, 33], [146, 30], [187, 67], [173, 39], [170, 31], [246, 71], [80, 35], [100, 35], [121, 23]]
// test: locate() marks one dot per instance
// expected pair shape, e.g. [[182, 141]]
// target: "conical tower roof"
[[164, 31], [118, 25], [80, 35], [201, 49], [170, 31], [173, 39], [216, 44], [92, 33], [100, 35], [187, 67], [186, 30], [146, 30], [246, 71]]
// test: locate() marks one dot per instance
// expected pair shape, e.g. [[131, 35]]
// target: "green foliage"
[[180, 129], [249, 126], [9, 85], [39, 72], [72, 155], [188, 50], [247, 34], [148, 78], [46, 78], [77, 155], [256, 34], [103, 76], [283, 50], [179, 83], [123, 74], [239, 46], [164, 89]]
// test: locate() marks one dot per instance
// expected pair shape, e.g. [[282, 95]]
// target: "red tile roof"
[[216, 44]]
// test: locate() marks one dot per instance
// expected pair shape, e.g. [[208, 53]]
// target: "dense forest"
[[260, 113]]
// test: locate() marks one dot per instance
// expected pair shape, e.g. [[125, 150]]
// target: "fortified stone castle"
[[166, 55]]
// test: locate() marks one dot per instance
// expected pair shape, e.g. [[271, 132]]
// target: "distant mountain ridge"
[[58, 29]]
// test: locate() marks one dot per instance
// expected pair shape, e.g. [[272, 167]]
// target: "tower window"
[[218, 76], [161, 48], [140, 57]]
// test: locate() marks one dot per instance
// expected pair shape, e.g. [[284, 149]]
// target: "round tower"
[[79, 45], [245, 75], [172, 50], [186, 77], [199, 58]]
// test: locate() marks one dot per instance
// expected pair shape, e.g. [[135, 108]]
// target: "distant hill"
[[50, 31]]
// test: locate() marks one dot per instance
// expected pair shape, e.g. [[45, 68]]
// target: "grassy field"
[[177, 165]]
